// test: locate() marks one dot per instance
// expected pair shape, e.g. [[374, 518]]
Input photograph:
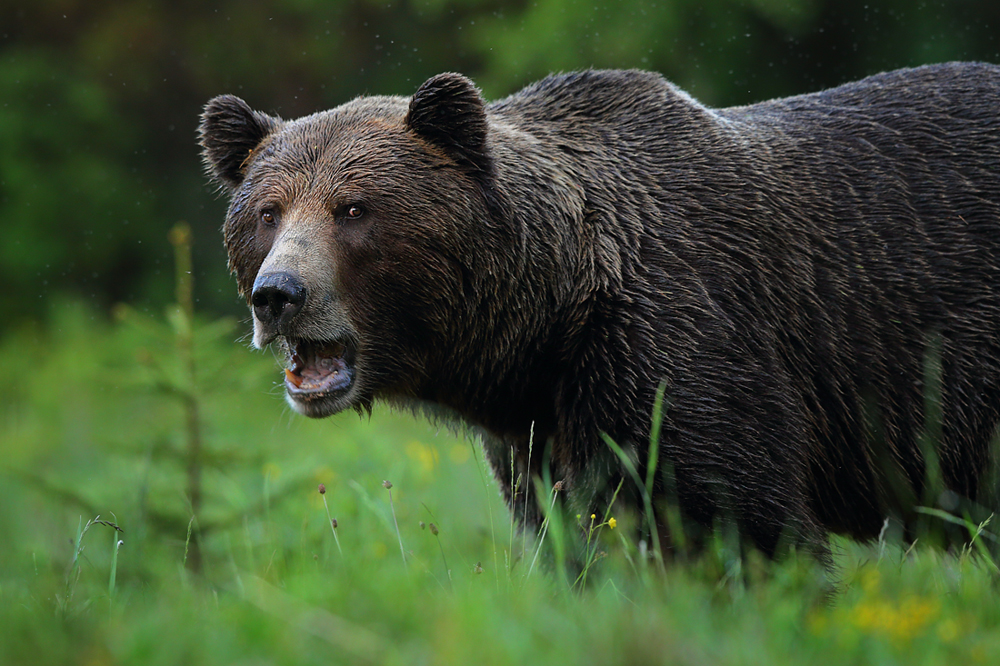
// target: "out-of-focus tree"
[[99, 101]]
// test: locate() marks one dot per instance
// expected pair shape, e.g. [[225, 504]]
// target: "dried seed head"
[[322, 489], [558, 486], [387, 485], [434, 529]]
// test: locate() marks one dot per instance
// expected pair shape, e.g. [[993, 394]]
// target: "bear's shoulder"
[[594, 94]]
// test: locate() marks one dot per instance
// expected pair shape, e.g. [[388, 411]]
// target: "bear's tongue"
[[316, 367]]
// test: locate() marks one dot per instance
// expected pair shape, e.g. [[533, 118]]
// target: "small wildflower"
[[612, 523], [593, 516], [387, 485], [322, 489]]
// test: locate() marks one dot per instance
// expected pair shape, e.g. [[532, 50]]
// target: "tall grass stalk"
[[333, 523], [646, 488], [489, 506], [73, 573], [515, 484], [545, 526], [388, 486], [187, 540], [114, 566], [434, 530], [977, 533], [524, 518], [647, 501]]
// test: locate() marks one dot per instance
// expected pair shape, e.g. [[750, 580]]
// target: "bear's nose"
[[277, 298]]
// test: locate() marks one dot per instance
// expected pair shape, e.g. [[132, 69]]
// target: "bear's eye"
[[268, 218], [354, 212]]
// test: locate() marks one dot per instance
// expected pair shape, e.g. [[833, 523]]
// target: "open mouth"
[[317, 369]]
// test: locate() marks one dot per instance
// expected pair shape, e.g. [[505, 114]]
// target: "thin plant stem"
[[647, 501], [333, 523], [388, 486], [524, 519], [333, 527], [114, 566], [515, 484], [434, 530], [592, 553], [545, 529], [187, 540], [493, 533]]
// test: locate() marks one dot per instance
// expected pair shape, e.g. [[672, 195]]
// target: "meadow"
[[159, 504]]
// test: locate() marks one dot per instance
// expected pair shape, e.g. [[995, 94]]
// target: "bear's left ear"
[[448, 111], [229, 132]]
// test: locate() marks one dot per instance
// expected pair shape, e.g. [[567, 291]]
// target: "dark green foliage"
[[99, 101]]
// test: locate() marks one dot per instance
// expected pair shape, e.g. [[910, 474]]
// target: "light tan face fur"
[[302, 248]]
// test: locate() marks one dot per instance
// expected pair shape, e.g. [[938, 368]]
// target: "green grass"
[[93, 423]]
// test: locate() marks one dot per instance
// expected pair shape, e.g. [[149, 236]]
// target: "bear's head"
[[361, 236]]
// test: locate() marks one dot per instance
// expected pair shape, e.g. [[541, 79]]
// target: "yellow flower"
[[424, 455], [899, 621], [612, 522]]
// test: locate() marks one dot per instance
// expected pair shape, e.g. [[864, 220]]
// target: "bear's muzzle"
[[276, 299]]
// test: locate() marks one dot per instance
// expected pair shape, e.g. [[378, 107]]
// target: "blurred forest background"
[[123, 397], [99, 100]]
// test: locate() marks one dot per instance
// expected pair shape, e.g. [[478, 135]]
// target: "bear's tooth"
[[293, 379]]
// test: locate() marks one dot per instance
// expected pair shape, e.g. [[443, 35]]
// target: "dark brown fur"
[[546, 261]]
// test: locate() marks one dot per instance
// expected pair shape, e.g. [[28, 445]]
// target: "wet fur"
[[547, 260]]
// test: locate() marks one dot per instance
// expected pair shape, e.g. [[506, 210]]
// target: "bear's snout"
[[277, 298]]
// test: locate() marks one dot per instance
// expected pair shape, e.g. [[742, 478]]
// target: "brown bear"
[[814, 282]]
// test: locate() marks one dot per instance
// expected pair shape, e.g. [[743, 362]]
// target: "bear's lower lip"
[[317, 369]]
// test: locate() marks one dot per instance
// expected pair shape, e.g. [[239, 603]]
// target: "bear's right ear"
[[448, 111], [229, 132]]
